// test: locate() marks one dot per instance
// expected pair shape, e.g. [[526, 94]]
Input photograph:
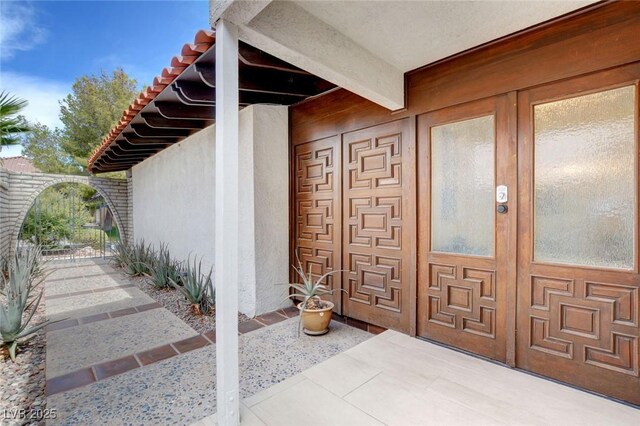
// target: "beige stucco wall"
[[174, 200]]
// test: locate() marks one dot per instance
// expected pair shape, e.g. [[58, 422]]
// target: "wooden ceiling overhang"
[[181, 101]]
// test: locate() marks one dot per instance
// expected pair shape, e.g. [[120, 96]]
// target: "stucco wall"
[[271, 201], [173, 197], [174, 194]]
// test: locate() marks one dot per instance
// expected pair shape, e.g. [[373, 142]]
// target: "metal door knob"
[[502, 208]]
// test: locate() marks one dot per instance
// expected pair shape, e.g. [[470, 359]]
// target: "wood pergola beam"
[[177, 110], [157, 121]]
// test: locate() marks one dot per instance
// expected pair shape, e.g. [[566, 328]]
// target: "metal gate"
[[69, 222]]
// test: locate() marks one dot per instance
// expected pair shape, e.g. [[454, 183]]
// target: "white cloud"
[[19, 30], [43, 96]]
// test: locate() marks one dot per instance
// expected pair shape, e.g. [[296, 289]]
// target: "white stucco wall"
[[173, 202], [271, 206], [173, 197]]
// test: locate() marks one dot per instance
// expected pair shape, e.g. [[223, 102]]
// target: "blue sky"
[[45, 45]]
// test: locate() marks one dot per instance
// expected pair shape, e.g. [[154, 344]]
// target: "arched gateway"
[[18, 191]]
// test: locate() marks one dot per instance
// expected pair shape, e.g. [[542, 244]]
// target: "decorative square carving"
[[466, 294], [598, 321], [375, 275]]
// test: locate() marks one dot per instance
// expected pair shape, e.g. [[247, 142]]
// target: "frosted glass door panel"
[[584, 180], [462, 186]]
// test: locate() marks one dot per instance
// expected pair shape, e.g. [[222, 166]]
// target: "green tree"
[[44, 147], [54, 217], [12, 125], [92, 109]]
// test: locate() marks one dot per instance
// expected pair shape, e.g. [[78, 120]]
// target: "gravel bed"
[[22, 384], [175, 303]]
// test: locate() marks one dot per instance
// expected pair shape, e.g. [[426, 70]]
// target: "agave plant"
[[25, 275], [122, 254], [134, 258], [310, 290], [197, 287], [164, 267]]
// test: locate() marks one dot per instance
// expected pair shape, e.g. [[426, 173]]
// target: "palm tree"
[[11, 124]]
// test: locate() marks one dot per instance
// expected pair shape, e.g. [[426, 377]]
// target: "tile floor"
[[393, 379]]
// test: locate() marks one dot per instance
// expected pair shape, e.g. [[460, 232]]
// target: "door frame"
[[574, 371], [503, 107]]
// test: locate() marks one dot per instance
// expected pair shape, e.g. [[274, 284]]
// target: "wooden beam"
[[181, 111], [150, 132], [157, 121], [269, 81], [134, 139], [125, 145], [194, 94]]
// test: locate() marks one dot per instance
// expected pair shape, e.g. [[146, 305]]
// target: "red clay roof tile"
[[203, 40]]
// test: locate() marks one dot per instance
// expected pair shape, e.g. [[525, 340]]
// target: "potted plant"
[[315, 313]]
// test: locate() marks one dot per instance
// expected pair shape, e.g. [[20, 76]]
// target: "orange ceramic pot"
[[315, 322]]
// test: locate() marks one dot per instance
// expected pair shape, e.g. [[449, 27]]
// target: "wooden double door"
[[354, 199], [528, 230]]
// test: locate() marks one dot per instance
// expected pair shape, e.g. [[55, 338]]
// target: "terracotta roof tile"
[[203, 40]]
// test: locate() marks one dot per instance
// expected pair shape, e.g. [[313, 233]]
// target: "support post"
[[226, 224]]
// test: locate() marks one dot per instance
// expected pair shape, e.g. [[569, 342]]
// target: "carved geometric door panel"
[[378, 224], [578, 271], [317, 211], [465, 271]]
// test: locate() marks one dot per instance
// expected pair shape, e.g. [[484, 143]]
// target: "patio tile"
[[306, 402], [70, 381], [341, 374], [396, 402], [93, 318], [273, 390], [148, 307], [270, 318], [248, 326], [211, 335], [61, 325], [123, 312], [409, 366], [190, 344], [101, 341], [290, 312], [156, 354], [118, 366], [75, 293]]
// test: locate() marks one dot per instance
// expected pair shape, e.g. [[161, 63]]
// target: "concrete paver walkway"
[[121, 358], [394, 379]]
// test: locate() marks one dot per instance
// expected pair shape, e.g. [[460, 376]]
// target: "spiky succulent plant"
[[310, 289], [196, 287], [164, 267], [18, 305]]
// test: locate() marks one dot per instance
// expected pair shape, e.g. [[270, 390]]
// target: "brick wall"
[[4, 213], [18, 191]]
